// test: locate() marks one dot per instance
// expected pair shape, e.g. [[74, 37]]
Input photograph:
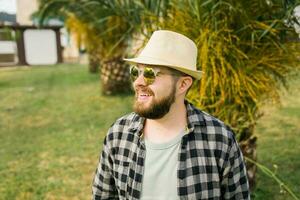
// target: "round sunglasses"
[[149, 74]]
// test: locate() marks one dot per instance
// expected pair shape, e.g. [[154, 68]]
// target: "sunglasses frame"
[[148, 80]]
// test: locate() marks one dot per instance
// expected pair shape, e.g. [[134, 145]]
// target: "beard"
[[157, 108]]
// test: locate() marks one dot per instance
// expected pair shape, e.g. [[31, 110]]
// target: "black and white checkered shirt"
[[210, 164]]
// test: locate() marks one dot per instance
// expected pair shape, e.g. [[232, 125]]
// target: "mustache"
[[144, 89]]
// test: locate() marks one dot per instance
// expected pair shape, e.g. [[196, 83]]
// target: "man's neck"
[[168, 127]]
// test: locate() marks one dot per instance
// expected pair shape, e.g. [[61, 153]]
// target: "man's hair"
[[177, 74]]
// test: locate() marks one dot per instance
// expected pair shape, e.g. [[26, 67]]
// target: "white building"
[[25, 8]]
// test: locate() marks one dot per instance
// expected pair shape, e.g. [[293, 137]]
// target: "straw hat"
[[170, 49]]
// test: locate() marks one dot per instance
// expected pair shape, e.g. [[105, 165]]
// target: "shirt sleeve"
[[104, 183], [234, 183]]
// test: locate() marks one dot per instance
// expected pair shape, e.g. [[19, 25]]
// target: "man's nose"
[[140, 81]]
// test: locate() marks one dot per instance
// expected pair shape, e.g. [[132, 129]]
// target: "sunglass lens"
[[134, 73], [149, 75]]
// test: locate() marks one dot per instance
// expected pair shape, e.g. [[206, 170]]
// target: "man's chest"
[[196, 171]]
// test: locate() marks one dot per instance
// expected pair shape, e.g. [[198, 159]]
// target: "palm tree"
[[245, 58], [94, 19], [85, 37], [242, 50], [112, 23]]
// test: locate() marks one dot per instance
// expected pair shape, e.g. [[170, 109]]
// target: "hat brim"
[[152, 61]]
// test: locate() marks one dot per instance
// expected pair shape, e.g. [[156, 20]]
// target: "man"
[[167, 148]]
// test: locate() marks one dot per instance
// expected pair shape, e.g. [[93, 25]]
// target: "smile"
[[143, 97], [147, 95]]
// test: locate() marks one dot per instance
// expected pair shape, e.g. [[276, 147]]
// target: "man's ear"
[[184, 83]]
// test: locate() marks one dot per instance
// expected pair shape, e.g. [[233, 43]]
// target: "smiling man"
[[167, 149]]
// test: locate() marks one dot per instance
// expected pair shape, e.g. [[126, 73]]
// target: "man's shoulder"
[[212, 127], [212, 121], [126, 120], [124, 126]]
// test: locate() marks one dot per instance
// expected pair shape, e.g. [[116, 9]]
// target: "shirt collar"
[[137, 124], [194, 118]]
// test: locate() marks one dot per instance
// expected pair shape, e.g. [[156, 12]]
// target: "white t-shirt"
[[160, 173]]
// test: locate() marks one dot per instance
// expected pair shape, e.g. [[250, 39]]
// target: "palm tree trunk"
[[115, 77], [248, 147], [94, 62]]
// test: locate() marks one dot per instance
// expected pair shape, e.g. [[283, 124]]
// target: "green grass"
[[279, 145], [53, 121]]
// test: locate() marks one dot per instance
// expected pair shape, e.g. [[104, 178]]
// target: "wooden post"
[[58, 46], [20, 46]]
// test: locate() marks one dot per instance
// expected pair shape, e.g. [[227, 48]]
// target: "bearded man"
[[167, 149]]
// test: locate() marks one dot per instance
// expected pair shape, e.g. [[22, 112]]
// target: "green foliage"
[[113, 22], [243, 53], [7, 34], [243, 49], [109, 25]]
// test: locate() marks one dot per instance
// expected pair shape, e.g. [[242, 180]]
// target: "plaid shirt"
[[210, 166]]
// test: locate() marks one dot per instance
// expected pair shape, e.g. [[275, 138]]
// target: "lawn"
[[52, 123], [53, 120], [278, 134]]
